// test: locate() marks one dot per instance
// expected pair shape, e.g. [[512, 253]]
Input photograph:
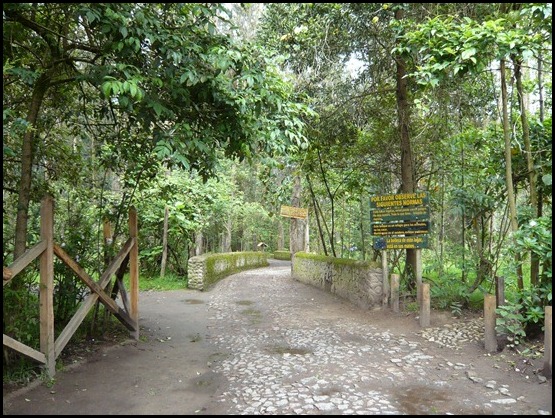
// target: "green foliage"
[[451, 45], [412, 307], [535, 236], [25, 327], [456, 309], [24, 323], [523, 317], [168, 282], [448, 293], [510, 322], [143, 103]]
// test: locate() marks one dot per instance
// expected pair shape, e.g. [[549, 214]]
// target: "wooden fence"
[[45, 249]]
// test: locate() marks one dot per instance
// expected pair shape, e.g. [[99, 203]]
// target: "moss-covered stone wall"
[[205, 270], [282, 255], [358, 281]]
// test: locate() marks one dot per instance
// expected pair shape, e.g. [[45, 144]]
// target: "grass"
[[168, 282]]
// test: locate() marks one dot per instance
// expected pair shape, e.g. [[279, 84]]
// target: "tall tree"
[[403, 114], [469, 46]]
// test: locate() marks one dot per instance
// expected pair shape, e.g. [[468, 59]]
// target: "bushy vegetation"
[[318, 105]]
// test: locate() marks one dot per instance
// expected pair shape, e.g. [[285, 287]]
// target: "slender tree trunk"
[[463, 220], [226, 240], [27, 159], [297, 233], [198, 243], [442, 224], [317, 215], [540, 86], [534, 262], [342, 231], [281, 240], [164, 243], [331, 234], [540, 155], [407, 166], [508, 162], [362, 232]]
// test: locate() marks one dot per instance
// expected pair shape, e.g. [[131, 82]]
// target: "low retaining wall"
[[282, 255], [358, 281], [205, 270]]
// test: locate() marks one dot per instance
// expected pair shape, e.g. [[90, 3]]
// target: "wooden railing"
[[45, 249]]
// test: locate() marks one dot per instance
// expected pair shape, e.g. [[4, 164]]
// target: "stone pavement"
[[293, 351]]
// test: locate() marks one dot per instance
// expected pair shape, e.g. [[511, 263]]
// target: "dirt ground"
[[172, 369]]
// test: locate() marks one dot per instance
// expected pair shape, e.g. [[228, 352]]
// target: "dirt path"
[[262, 343]]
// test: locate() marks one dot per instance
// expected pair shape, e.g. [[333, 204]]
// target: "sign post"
[[298, 240], [401, 221]]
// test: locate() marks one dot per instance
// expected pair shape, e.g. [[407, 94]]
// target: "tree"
[[179, 90], [468, 47]]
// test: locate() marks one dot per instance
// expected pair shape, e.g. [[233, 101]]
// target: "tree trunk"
[[198, 243], [27, 158], [164, 243], [226, 240], [442, 225], [362, 232], [297, 233], [508, 162], [534, 262], [331, 234], [281, 240], [407, 167], [317, 215]]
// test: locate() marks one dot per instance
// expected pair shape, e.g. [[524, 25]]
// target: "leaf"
[[467, 53], [106, 88], [133, 89], [157, 108], [547, 179]]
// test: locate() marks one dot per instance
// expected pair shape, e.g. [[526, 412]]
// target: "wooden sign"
[[294, 212], [400, 221]]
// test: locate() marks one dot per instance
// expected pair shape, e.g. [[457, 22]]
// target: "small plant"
[[412, 306], [456, 309], [511, 323]]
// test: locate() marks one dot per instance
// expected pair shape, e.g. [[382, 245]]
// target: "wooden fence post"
[[547, 353], [425, 305], [47, 285], [490, 336], [385, 279], [395, 292], [418, 275], [134, 271]]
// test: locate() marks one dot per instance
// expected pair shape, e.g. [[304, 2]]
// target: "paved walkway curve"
[[262, 343]]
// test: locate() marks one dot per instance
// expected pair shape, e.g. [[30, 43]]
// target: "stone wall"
[[357, 281], [282, 255], [205, 270]]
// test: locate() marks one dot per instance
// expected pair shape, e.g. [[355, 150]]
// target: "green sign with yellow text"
[[400, 221]]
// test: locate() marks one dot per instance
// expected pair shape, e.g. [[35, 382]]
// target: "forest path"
[[260, 342]]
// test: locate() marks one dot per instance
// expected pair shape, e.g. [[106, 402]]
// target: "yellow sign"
[[403, 199], [294, 212]]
